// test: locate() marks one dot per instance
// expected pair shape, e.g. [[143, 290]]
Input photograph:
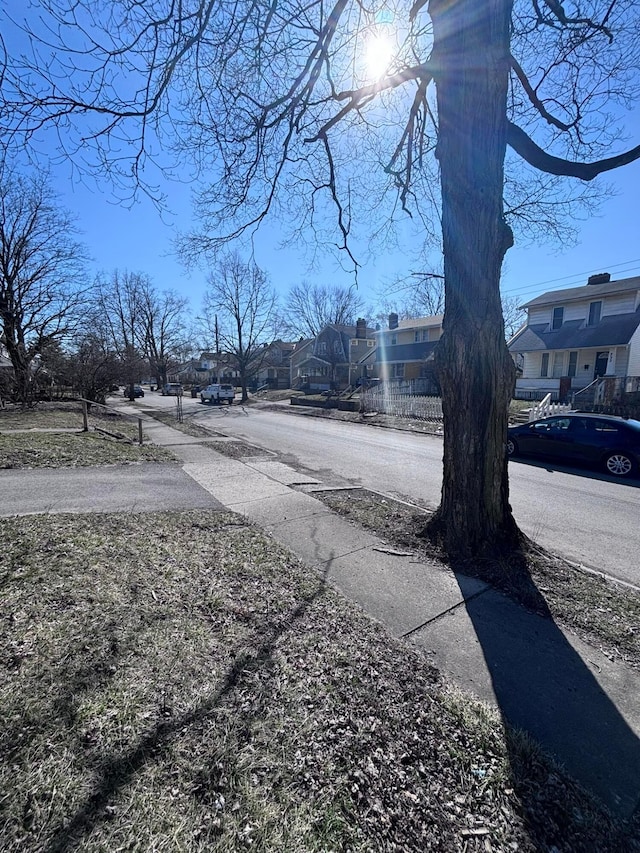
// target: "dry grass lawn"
[[178, 682]]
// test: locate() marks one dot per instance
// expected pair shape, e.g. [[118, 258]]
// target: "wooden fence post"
[[140, 430], [85, 417]]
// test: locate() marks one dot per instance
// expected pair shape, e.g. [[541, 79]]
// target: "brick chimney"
[[599, 278], [393, 321], [361, 328]]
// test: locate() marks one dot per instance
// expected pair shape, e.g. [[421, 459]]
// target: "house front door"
[[602, 359]]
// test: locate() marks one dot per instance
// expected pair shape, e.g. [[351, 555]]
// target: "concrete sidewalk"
[[575, 701]]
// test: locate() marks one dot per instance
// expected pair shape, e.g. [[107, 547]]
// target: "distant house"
[[404, 352], [576, 335], [209, 367], [331, 360], [274, 366]]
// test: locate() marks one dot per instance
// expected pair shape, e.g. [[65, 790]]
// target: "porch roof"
[[613, 330]]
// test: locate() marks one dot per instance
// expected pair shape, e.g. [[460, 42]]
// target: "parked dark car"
[[604, 440], [138, 391]]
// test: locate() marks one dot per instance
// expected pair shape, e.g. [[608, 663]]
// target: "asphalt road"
[[587, 518]]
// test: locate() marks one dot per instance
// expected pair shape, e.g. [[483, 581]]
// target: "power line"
[[574, 280]]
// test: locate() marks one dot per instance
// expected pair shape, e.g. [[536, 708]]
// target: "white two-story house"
[[578, 334]]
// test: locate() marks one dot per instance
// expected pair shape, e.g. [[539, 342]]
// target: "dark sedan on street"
[[603, 440]]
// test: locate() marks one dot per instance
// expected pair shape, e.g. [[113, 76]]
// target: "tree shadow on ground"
[[118, 771], [553, 690]]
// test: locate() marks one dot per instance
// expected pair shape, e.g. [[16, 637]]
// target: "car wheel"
[[512, 447], [618, 464], [230, 402]]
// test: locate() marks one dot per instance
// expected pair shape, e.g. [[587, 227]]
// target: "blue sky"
[[140, 239]]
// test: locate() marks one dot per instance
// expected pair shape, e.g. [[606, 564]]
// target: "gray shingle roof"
[[614, 330], [586, 291]]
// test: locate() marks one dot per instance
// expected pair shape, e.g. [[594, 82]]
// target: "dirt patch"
[[370, 418], [237, 449], [604, 613], [186, 426], [177, 681]]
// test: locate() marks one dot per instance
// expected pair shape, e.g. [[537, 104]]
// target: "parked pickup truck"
[[218, 393]]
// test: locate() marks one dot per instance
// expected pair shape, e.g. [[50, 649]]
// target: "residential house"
[[273, 369], [576, 335], [331, 360], [404, 352], [209, 367]]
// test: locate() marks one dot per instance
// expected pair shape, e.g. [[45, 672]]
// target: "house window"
[[322, 347], [394, 340], [558, 317], [595, 309], [558, 364], [337, 347], [573, 363], [544, 367], [397, 371]]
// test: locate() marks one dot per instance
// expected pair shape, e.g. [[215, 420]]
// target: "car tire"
[[619, 464], [230, 402], [512, 447]]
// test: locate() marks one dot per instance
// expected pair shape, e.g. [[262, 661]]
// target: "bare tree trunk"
[[471, 49], [19, 361]]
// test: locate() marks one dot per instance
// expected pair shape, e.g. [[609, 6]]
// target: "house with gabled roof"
[[331, 360], [576, 335], [404, 352], [273, 366]]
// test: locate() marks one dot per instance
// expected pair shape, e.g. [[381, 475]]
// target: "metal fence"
[[392, 402]]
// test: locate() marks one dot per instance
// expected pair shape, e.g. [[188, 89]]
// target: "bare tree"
[[418, 294], [92, 367], [309, 308], [513, 314], [282, 103], [41, 271], [240, 301], [118, 319], [162, 316]]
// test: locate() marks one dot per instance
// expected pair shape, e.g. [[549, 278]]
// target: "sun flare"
[[378, 55]]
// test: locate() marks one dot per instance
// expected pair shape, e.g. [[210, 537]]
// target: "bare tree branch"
[[533, 154]]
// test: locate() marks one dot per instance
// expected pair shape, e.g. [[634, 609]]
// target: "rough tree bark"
[[471, 64]]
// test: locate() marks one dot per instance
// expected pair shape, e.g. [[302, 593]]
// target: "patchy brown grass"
[[603, 612], [232, 449], [177, 681], [237, 449], [73, 450], [187, 425], [42, 416]]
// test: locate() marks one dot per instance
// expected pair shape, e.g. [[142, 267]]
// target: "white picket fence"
[[403, 405], [545, 408]]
